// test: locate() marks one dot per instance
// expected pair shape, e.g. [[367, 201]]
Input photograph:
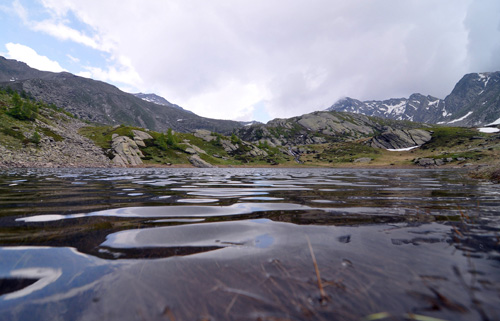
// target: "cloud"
[[62, 32], [121, 73], [221, 58], [31, 57]]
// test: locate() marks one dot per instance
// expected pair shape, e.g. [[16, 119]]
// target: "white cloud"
[[32, 58], [219, 58], [62, 32], [115, 74]]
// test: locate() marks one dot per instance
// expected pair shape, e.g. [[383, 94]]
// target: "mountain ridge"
[[100, 102], [474, 101]]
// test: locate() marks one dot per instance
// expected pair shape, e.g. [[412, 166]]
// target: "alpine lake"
[[248, 244]]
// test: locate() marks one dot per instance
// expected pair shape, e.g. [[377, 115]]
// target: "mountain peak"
[[473, 102]]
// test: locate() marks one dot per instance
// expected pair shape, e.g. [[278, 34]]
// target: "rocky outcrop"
[[126, 151], [196, 161], [323, 127], [204, 134], [140, 137], [254, 150], [398, 139]]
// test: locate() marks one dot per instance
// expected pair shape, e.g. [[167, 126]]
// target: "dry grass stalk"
[[318, 276]]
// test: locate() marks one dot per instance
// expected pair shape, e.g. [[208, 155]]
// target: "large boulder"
[[126, 152], [399, 139], [196, 161], [204, 134], [140, 136]]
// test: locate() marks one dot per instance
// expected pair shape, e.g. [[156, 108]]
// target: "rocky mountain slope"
[[475, 101], [41, 136], [323, 127], [154, 98], [100, 102]]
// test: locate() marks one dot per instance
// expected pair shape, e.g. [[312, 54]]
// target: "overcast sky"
[[258, 59]]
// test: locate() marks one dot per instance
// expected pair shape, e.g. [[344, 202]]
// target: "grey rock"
[[196, 161], [126, 151], [425, 161], [190, 150], [204, 134], [398, 139], [141, 135], [228, 146], [363, 160], [439, 161]]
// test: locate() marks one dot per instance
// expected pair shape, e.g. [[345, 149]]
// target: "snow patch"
[[434, 103], [496, 122], [399, 108], [488, 130], [403, 149], [461, 118]]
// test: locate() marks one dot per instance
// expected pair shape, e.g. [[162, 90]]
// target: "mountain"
[[329, 127], [475, 101], [100, 102], [153, 98]]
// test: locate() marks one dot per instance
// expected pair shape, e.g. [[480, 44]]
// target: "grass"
[[446, 137], [342, 152]]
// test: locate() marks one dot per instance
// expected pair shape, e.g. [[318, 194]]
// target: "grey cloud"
[[303, 55]]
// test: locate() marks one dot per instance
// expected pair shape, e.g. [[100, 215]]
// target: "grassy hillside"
[[163, 149], [22, 119]]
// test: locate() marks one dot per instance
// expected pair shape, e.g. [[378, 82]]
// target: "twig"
[[320, 285]]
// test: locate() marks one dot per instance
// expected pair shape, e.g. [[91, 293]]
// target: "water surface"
[[248, 244]]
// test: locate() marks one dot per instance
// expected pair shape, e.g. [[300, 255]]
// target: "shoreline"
[[340, 166]]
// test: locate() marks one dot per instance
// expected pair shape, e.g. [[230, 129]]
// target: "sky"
[[258, 59]]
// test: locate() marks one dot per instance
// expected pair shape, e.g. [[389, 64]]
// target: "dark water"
[[248, 244]]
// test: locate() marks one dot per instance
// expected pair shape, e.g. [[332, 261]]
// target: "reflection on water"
[[232, 244]]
